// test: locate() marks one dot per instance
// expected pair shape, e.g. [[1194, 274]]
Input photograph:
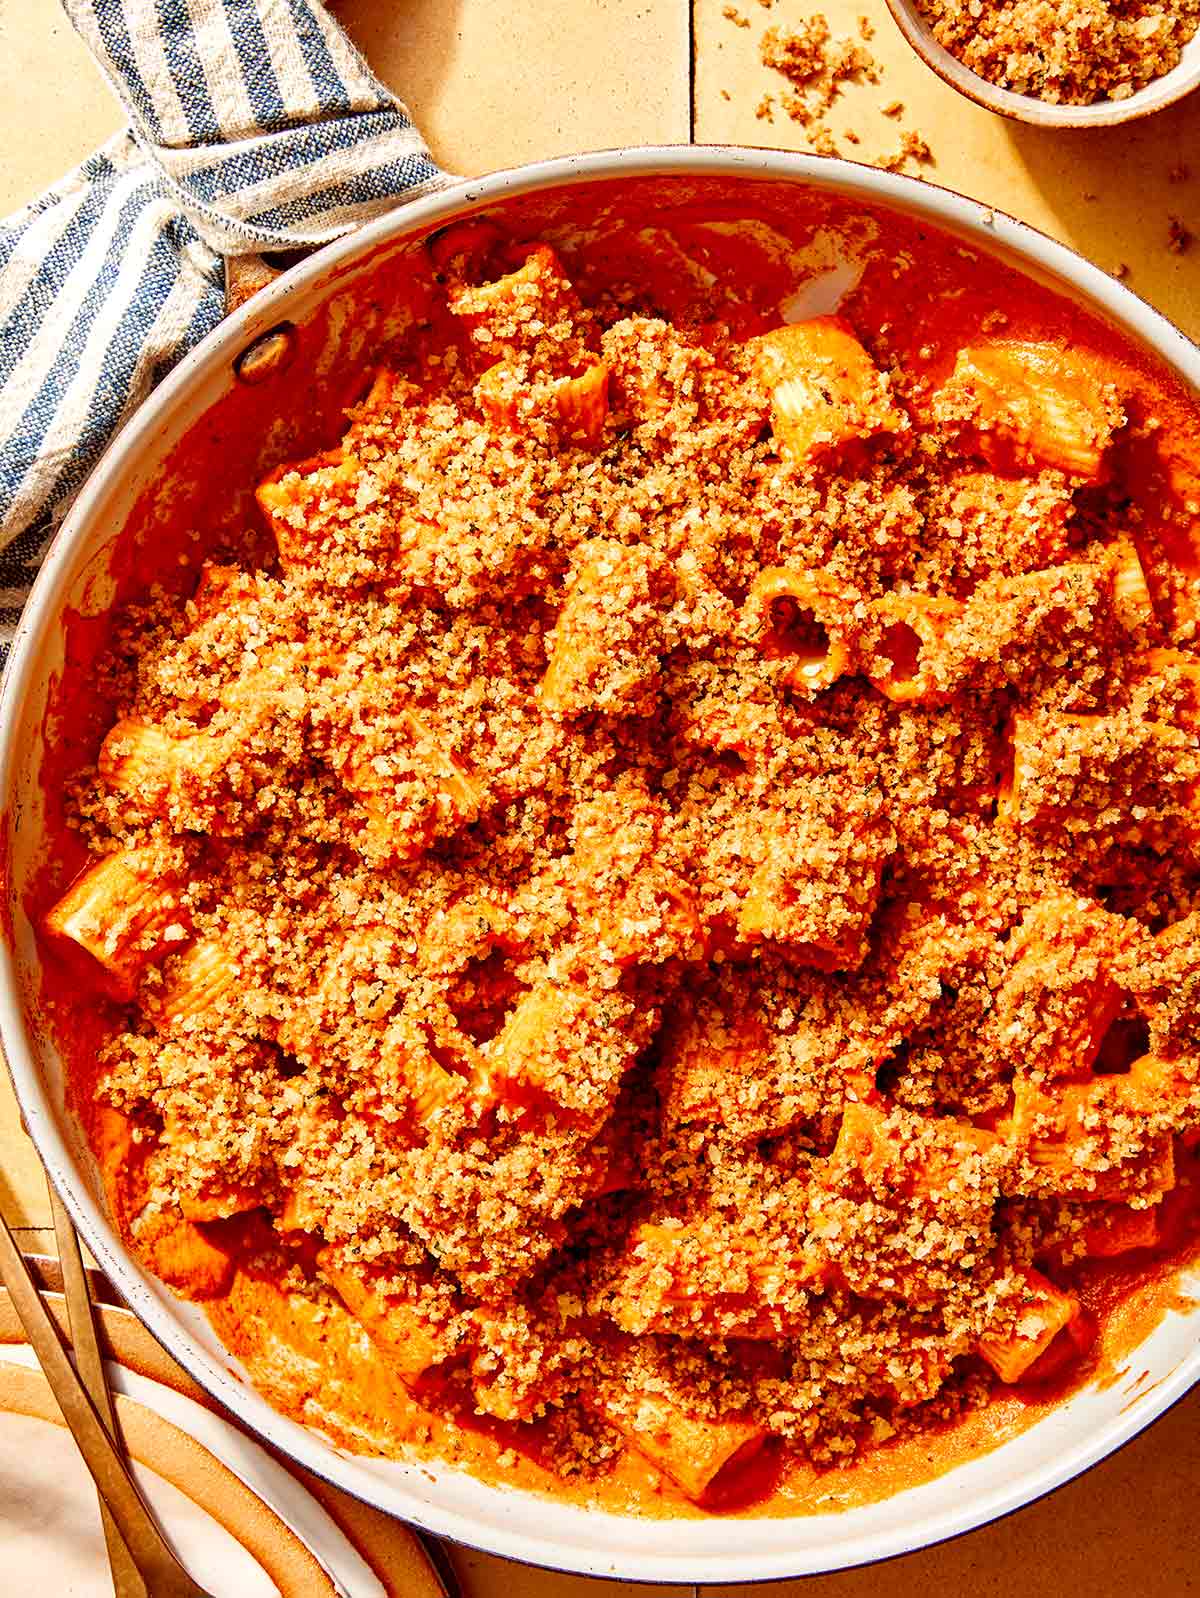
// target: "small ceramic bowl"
[[1156, 95]]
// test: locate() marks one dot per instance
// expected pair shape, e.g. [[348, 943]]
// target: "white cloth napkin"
[[254, 125]]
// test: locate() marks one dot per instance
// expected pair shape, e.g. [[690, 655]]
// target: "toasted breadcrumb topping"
[[683, 873]]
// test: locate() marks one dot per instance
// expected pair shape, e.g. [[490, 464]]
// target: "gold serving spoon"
[[89, 1365], [158, 1570]]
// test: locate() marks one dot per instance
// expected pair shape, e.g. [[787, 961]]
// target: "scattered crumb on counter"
[[912, 147], [818, 64]]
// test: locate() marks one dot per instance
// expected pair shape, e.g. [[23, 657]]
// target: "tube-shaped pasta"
[[1120, 776], [827, 394], [581, 404], [561, 1048], [604, 649], [705, 1279], [290, 495], [463, 246], [429, 1086], [509, 1367], [631, 903], [154, 769], [140, 759], [914, 627], [576, 406], [1033, 404], [863, 1145], [512, 312], [698, 1454], [1101, 1138], [124, 911], [799, 617], [402, 817], [816, 887], [226, 588], [402, 1331], [707, 1053], [197, 981], [170, 1242], [185, 1257], [184, 777], [1059, 995], [1029, 1327], [1131, 594]]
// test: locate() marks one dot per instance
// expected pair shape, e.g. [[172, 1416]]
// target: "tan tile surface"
[[23, 1199], [490, 85], [483, 1576], [55, 108], [1039, 175], [493, 84]]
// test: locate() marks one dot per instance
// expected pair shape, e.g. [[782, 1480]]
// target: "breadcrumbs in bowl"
[[1089, 63]]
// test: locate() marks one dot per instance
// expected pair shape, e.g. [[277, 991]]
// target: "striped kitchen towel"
[[254, 125]]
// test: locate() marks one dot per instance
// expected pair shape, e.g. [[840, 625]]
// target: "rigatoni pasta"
[[661, 916]]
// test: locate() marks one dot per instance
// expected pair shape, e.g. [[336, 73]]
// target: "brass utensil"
[[89, 1364], [160, 1571]]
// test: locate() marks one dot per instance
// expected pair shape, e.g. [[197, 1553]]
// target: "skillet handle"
[[244, 276]]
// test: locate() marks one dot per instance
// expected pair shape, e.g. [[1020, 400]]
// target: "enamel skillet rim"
[[513, 1528]]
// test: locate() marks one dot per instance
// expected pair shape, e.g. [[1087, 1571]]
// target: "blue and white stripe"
[[254, 126]]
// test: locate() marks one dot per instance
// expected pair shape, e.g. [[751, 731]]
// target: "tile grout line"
[[691, 47]]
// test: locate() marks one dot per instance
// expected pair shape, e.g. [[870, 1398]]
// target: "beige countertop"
[[496, 84]]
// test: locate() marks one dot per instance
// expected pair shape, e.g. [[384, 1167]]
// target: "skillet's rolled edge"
[[498, 1519]]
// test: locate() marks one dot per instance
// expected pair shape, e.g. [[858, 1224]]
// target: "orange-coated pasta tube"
[[124, 910], [913, 629], [800, 618], [401, 1330], [197, 981], [698, 1454], [1101, 1138], [1059, 994], [1029, 1327], [827, 394], [1033, 404]]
